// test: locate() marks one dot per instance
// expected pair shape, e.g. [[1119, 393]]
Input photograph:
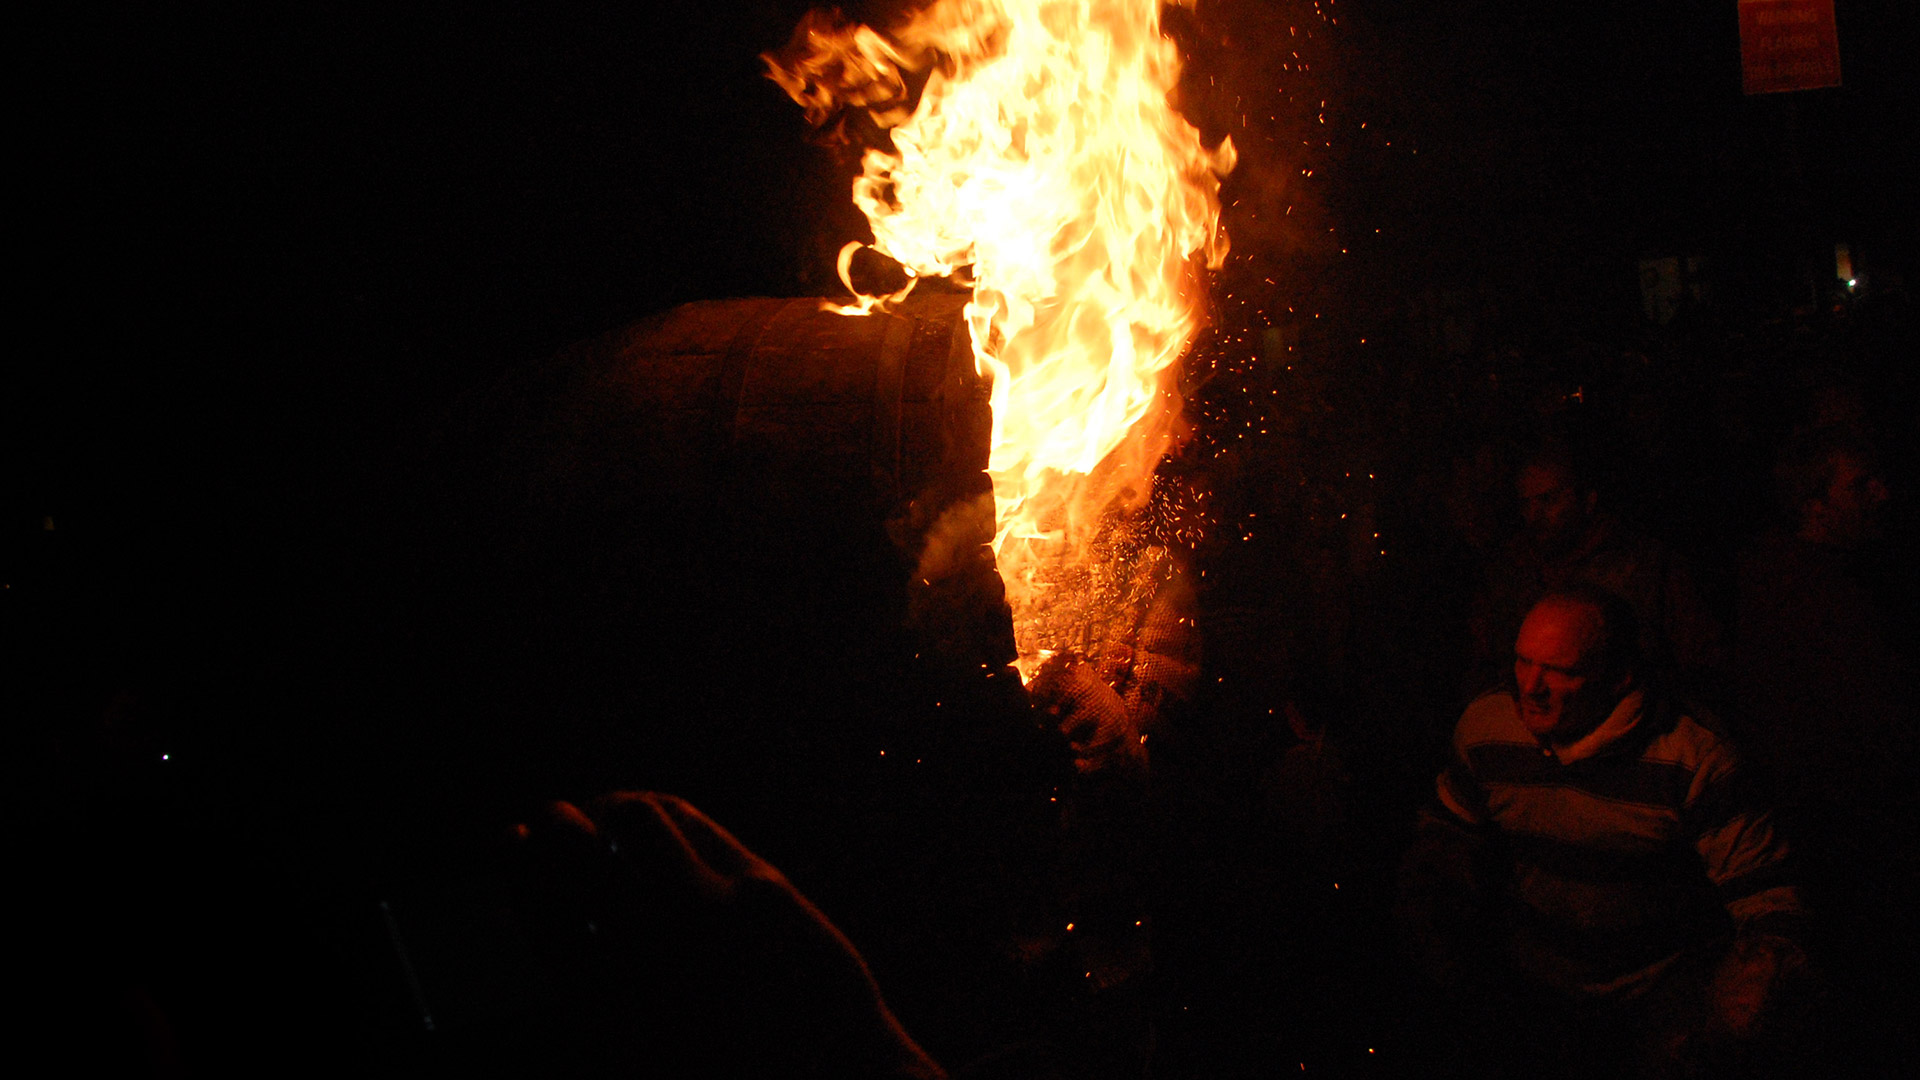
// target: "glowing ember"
[[1043, 155]]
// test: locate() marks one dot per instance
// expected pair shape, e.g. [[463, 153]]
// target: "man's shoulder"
[[1772, 548], [1624, 552], [1492, 717], [1779, 570], [1688, 733]]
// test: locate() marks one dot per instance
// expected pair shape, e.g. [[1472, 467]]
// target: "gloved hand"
[[1096, 722], [1756, 971]]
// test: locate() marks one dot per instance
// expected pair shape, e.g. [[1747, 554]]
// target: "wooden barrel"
[[687, 556], [719, 514]]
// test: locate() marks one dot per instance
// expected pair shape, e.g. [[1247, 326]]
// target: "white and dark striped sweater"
[[1618, 853]]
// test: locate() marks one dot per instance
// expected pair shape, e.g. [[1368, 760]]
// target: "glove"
[[1096, 722]]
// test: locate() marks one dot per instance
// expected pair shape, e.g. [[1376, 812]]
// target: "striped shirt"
[[1628, 847]]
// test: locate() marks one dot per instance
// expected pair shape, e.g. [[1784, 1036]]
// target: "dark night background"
[[266, 249]]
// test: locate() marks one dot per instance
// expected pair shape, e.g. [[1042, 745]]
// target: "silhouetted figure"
[[1819, 677], [672, 949], [1595, 886], [1827, 687], [1570, 539]]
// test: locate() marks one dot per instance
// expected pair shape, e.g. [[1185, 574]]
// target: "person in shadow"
[[671, 948], [1569, 538], [1824, 669]]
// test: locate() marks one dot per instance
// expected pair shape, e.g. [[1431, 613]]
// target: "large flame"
[[1043, 160]]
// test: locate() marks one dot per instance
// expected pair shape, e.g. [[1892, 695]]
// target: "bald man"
[[1594, 854]]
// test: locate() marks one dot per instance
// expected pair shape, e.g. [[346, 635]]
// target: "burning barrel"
[[740, 544]]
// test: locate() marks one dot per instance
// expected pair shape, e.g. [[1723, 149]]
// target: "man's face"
[[1562, 693], [1849, 511], [1551, 504]]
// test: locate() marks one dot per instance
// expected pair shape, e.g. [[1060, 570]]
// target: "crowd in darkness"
[[1232, 894], [1742, 489]]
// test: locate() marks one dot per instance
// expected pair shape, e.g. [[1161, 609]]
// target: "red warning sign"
[[1788, 45]]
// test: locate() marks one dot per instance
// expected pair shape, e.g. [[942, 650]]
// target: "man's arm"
[[1751, 868], [1442, 886], [699, 949], [1163, 665]]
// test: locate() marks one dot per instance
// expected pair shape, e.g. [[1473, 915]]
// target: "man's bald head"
[[1573, 662]]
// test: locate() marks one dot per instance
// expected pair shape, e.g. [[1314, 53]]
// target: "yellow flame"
[[1043, 154]]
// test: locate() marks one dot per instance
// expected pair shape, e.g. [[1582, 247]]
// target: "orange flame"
[[1042, 154]]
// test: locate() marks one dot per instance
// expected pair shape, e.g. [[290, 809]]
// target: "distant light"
[[1851, 282], [164, 757]]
